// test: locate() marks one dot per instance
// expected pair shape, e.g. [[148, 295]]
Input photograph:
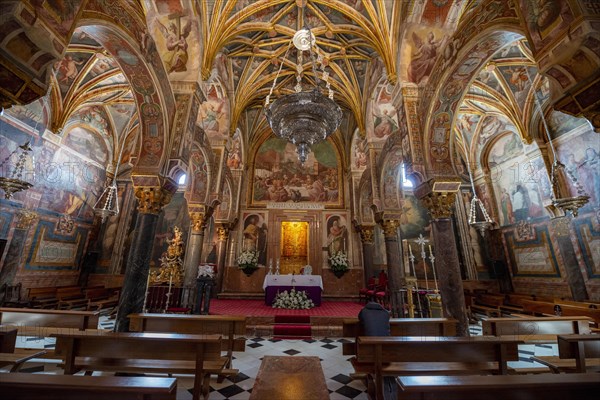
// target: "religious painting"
[[255, 235], [213, 115], [383, 117], [33, 114], [68, 68], [414, 218], [489, 79], [391, 179], [547, 20], [224, 208], [280, 177], [336, 238], [560, 123], [234, 157], [359, 153], [425, 45], [95, 117], [88, 144], [466, 125], [517, 78], [198, 186], [492, 125], [580, 153], [174, 214]]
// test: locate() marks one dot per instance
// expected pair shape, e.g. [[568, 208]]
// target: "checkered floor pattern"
[[336, 367]]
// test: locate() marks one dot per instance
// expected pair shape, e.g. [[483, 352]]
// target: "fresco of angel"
[[176, 57], [424, 57]]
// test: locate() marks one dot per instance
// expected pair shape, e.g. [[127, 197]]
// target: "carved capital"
[[367, 234], [198, 220], [222, 233], [439, 204], [151, 199], [25, 219], [390, 227]]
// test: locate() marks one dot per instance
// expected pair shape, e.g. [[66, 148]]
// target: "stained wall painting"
[[588, 238], [532, 258], [174, 214], [213, 115], [560, 123], [88, 144], [546, 20], [51, 251], [279, 176], [383, 119], [423, 45], [580, 153], [517, 79], [336, 234], [255, 235], [234, 157]]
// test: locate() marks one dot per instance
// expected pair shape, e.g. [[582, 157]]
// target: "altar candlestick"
[[432, 258]]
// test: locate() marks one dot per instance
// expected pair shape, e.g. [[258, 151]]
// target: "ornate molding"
[[390, 227], [25, 219], [439, 204], [151, 199], [367, 234], [223, 232]]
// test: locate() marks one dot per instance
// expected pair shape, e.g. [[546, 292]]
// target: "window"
[[182, 179], [405, 182]]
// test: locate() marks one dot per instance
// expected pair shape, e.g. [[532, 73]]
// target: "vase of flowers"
[[248, 261], [294, 300], [338, 263]]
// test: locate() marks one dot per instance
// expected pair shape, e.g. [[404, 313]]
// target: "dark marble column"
[[222, 238], [562, 230], [395, 270], [14, 253], [447, 264], [151, 200], [194, 248], [368, 245]]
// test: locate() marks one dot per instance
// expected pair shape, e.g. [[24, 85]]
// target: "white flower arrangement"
[[206, 271], [295, 300], [248, 259], [339, 261]]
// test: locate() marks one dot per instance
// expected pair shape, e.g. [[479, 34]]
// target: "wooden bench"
[[227, 326], [101, 298], [506, 387], [487, 304], [19, 386], [546, 308], [536, 329], [42, 297], [199, 355], [351, 328], [397, 356], [71, 297], [576, 353], [8, 339], [18, 359]]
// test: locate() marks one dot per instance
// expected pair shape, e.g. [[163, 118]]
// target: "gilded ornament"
[[198, 222], [439, 204], [171, 270], [25, 219], [222, 233], [367, 234], [390, 227], [152, 199]]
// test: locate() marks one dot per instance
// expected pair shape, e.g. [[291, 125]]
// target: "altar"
[[312, 284]]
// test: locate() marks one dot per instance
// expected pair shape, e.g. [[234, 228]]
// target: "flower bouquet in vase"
[[338, 263], [248, 261]]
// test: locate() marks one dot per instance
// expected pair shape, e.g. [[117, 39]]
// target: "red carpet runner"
[[292, 327]]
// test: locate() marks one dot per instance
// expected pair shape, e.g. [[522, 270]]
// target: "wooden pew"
[[576, 353], [71, 297], [397, 356], [546, 308], [506, 387], [42, 297], [227, 326], [19, 386], [488, 304], [351, 328], [536, 329], [100, 298], [199, 355], [8, 339]]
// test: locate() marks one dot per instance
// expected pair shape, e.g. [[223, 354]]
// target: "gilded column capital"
[[151, 199], [222, 232], [25, 219], [390, 227], [439, 204], [367, 233], [198, 222]]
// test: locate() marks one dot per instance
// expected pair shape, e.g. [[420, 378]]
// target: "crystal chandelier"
[[561, 201], [14, 183], [488, 222], [304, 117]]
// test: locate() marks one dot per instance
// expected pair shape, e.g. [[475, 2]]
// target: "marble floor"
[[336, 366]]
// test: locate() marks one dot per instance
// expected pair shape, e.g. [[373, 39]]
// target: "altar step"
[[292, 327]]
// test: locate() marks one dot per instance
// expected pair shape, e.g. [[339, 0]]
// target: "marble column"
[[222, 238], [194, 248], [368, 245], [14, 253], [447, 264], [151, 200], [562, 230], [395, 270]]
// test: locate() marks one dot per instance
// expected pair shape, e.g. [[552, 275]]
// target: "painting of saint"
[[255, 236], [424, 56], [337, 234], [176, 36]]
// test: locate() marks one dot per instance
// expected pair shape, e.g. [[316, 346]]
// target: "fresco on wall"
[[425, 45], [255, 235], [517, 79], [581, 156], [547, 19], [280, 177], [88, 144], [561, 123], [213, 115], [384, 118], [391, 179], [174, 214], [234, 157], [532, 258], [359, 153], [53, 251], [223, 209], [198, 186], [336, 234], [414, 218]]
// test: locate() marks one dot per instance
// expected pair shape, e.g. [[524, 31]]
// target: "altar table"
[[312, 284]]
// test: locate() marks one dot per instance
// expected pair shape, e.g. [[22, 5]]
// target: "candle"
[[170, 280], [430, 252], [410, 250]]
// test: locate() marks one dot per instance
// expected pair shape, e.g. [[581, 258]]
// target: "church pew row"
[[8, 357], [536, 329], [228, 326], [397, 356], [199, 355], [416, 327], [576, 353], [20, 386], [493, 387]]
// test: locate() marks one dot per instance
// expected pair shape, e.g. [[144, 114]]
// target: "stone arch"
[[496, 25], [120, 31]]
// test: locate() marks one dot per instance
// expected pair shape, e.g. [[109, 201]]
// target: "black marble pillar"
[[13, 256], [395, 271], [561, 227], [138, 268], [447, 268], [221, 253], [368, 254]]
